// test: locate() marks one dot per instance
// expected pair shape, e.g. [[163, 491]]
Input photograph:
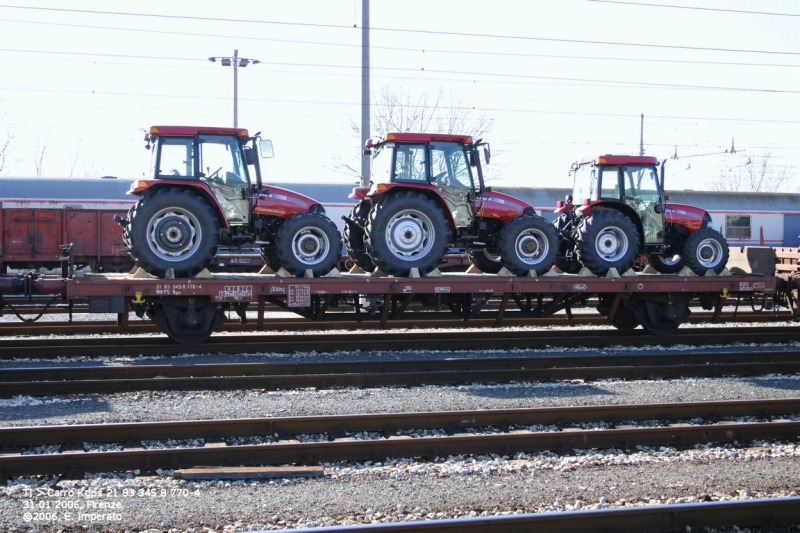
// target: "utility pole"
[[365, 115], [237, 62], [641, 136]]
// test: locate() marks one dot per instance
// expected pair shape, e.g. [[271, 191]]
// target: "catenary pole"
[[365, 115]]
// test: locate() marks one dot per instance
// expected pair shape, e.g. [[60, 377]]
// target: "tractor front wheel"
[[528, 243], [706, 249], [354, 237], [406, 230], [173, 228], [607, 239], [486, 261], [308, 241]]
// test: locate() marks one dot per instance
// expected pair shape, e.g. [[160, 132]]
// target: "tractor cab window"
[[609, 183], [175, 158], [409, 163], [585, 183], [642, 194], [223, 170], [382, 163], [449, 165]]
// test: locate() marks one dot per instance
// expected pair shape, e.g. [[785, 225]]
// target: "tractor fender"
[[503, 207], [382, 190], [145, 187], [617, 206]]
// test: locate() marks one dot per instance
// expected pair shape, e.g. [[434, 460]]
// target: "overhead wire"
[[698, 8], [402, 30]]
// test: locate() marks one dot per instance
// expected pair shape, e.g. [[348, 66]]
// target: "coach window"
[[737, 226]]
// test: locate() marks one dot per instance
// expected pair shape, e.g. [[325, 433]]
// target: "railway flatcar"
[[37, 215]]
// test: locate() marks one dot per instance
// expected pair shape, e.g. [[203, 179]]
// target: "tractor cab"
[[440, 163], [628, 183], [217, 157]]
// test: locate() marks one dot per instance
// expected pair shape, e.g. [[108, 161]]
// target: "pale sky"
[[562, 80]]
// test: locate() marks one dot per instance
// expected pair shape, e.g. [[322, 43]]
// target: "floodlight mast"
[[237, 62]]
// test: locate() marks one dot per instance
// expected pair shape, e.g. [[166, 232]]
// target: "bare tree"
[[756, 174], [38, 156], [402, 112], [74, 159], [5, 152]]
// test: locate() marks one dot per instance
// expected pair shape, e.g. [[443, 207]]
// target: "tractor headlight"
[[317, 208], [707, 220], [529, 211]]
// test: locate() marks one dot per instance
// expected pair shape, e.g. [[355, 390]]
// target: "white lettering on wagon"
[[176, 289], [279, 290], [579, 287], [236, 292], [441, 289], [299, 296]]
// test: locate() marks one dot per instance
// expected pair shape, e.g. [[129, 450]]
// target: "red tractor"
[[427, 195], [618, 212], [205, 192]]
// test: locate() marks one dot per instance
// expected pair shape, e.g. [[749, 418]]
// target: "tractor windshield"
[[409, 163], [175, 158], [643, 195], [585, 184]]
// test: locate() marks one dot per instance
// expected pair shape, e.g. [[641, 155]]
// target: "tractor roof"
[[609, 159], [418, 138], [192, 131]]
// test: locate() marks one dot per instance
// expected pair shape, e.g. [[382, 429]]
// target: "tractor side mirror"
[[265, 147], [487, 153], [249, 158]]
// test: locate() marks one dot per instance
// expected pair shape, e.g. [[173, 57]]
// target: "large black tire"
[[308, 241], [404, 231], [667, 264], [270, 257], [607, 239], [173, 228], [354, 237], [528, 243], [706, 249], [486, 261]]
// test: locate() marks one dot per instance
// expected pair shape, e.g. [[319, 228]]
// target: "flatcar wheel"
[[662, 318], [623, 319], [187, 322]]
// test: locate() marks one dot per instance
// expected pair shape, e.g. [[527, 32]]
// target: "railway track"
[[275, 376], [509, 431], [495, 339], [331, 322], [682, 517]]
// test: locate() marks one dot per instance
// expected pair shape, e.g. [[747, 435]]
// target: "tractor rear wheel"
[[404, 231], [486, 261], [354, 237], [173, 228], [706, 249], [667, 264], [528, 243], [308, 241], [607, 239]]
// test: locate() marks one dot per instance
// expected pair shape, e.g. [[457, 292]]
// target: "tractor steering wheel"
[[441, 175], [215, 175]]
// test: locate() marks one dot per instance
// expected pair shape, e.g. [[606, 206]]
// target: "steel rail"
[[16, 437], [311, 453], [333, 322], [772, 512], [495, 339], [392, 379], [62, 373]]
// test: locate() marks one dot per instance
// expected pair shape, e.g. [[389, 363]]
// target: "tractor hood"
[[493, 204], [283, 202], [691, 217]]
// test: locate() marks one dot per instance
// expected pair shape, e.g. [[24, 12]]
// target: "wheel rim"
[[612, 244], [174, 234], [531, 246], [410, 234], [709, 253], [669, 260], [310, 246]]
